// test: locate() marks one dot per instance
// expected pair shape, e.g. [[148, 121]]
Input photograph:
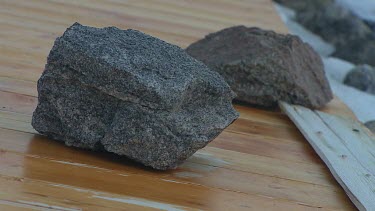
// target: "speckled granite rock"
[[263, 67], [362, 77], [132, 94]]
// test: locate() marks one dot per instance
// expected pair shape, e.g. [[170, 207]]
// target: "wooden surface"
[[345, 147], [260, 162]]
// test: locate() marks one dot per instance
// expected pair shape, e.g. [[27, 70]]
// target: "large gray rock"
[[362, 77], [263, 67], [131, 94]]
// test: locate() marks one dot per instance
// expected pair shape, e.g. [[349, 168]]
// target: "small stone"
[[371, 125], [361, 77], [131, 94], [263, 67]]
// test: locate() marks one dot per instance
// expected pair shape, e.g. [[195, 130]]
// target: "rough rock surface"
[[362, 77], [353, 38], [131, 94], [263, 67], [371, 125]]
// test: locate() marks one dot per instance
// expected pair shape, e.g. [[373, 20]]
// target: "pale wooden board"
[[346, 148], [260, 162]]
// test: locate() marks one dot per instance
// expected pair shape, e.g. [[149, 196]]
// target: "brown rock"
[[263, 67]]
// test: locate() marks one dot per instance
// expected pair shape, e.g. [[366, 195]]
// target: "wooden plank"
[[259, 165], [18, 86], [18, 103], [346, 149], [38, 195], [204, 168], [252, 136], [353, 135], [91, 199], [250, 144], [269, 147], [262, 162], [151, 21], [126, 184], [11, 205], [266, 128]]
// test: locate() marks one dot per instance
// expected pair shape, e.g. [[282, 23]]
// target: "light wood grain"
[[267, 167], [261, 162], [345, 147], [280, 168]]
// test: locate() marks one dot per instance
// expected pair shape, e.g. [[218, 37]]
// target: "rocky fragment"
[[263, 67], [371, 125], [131, 94], [361, 77], [353, 38]]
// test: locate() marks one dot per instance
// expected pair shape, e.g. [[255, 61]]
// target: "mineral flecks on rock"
[[131, 94], [263, 67]]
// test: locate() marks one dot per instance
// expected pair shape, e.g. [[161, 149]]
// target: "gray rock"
[[361, 77], [263, 67], [352, 37], [371, 125], [131, 94]]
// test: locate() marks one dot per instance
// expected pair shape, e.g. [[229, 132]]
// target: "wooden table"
[[260, 162]]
